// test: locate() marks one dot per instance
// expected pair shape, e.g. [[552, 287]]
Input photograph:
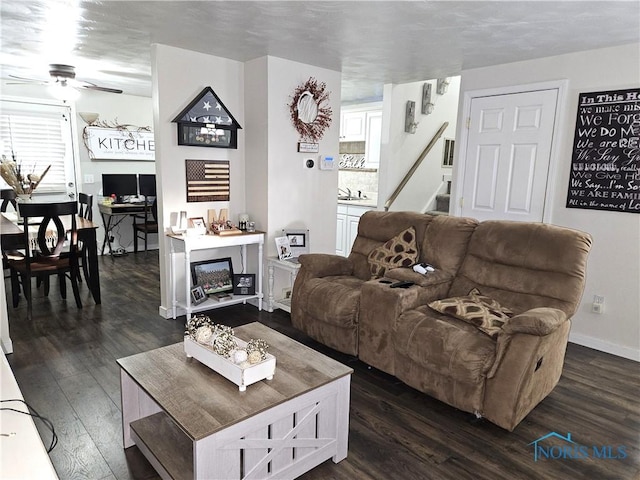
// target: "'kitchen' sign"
[[119, 144]]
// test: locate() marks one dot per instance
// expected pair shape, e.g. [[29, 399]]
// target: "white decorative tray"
[[225, 367]]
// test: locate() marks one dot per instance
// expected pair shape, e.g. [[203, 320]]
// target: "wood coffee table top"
[[203, 402]]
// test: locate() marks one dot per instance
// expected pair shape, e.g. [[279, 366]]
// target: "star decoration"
[[207, 106], [218, 107]]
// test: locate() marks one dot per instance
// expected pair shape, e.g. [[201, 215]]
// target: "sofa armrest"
[[325, 264], [537, 321]]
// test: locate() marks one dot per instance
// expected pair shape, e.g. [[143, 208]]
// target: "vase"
[[23, 197]]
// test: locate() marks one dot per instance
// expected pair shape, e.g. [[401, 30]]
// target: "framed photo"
[[244, 284], [197, 222], [214, 276], [297, 239], [283, 247], [197, 295]]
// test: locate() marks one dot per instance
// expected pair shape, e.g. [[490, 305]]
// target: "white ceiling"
[[371, 42]]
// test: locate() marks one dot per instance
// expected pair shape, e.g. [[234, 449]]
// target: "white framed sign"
[[119, 144]]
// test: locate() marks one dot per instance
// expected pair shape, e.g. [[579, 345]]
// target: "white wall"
[[400, 150], [178, 76], [281, 191], [614, 261]]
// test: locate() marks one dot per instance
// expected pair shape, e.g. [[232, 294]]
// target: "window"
[[38, 135], [447, 156]]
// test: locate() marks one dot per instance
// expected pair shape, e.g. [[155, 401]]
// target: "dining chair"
[[10, 249], [148, 225], [85, 210], [8, 197], [50, 257]]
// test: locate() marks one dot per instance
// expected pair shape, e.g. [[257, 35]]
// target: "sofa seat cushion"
[[334, 299], [445, 345], [399, 251]]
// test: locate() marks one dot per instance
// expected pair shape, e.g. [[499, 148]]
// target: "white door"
[[508, 154]]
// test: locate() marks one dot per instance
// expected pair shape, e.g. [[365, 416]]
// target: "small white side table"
[[292, 268]]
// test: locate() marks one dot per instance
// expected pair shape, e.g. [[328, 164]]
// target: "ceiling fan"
[[65, 76]]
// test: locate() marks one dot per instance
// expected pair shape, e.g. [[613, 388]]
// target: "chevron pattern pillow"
[[400, 251], [483, 312]]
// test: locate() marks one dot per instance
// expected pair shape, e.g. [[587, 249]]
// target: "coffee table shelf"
[[167, 447]]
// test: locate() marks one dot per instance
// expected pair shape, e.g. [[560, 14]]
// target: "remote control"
[[401, 284]]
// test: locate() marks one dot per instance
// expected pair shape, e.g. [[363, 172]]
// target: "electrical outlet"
[[598, 304], [88, 178]]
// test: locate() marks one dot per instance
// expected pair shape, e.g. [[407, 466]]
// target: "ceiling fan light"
[[62, 92]]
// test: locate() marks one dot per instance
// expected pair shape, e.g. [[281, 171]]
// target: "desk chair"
[[85, 210], [148, 225], [49, 259]]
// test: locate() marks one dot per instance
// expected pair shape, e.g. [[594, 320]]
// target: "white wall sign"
[[119, 144]]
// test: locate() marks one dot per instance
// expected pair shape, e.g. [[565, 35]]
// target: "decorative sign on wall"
[[119, 143], [206, 122], [605, 166], [207, 180]]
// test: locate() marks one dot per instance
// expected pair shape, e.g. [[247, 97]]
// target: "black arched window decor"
[[206, 122]]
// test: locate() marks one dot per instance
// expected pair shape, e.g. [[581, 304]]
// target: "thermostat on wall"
[[327, 163]]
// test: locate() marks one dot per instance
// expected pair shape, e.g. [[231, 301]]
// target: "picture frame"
[[244, 284], [197, 222], [283, 247], [214, 276], [297, 239], [197, 295]]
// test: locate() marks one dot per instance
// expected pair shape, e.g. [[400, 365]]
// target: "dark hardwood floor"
[[64, 361]]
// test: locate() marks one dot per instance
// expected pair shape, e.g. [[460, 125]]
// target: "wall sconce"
[[427, 105], [442, 85], [410, 125], [88, 117]]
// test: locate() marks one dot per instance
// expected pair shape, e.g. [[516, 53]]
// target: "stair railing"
[[415, 166]]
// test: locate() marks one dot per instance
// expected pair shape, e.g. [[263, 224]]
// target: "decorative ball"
[[203, 334], [240, 356], [255, 357]]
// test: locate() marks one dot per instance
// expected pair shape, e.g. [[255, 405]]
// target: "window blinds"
[[37, 135]]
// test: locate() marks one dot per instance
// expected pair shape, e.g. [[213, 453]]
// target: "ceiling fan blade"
[[92, 86], [101, 89], [31, 80]]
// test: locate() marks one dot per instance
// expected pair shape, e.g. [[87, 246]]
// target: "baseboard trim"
[[603, 346], [165, 312], [7, 345]]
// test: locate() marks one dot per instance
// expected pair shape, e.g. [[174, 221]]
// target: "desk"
[[112, 215], [187, 244], [11, 234]]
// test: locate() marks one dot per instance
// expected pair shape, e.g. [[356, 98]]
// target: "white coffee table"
[[191, 422]]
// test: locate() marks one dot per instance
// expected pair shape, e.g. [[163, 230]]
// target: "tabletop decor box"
[[241, 371]]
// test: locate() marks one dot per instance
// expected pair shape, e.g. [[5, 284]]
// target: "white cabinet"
[[347, 227], [274, 264], [352, 126], [373, 139]]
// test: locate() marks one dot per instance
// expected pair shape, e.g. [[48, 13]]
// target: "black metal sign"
[[605, 166]]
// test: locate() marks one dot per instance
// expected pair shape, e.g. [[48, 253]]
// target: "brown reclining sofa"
[[485, 332]]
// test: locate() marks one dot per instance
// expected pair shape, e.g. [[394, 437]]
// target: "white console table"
[[187, 244]]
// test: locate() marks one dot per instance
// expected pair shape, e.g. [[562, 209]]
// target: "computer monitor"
[[147, 183], [119, 184]]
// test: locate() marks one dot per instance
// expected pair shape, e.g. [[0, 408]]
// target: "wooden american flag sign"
[[207, 180]]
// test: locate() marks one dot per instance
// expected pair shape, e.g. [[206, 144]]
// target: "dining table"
[[11, 237]]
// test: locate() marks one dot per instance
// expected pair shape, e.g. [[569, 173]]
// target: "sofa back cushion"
[[525, 265], [442, 240]]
